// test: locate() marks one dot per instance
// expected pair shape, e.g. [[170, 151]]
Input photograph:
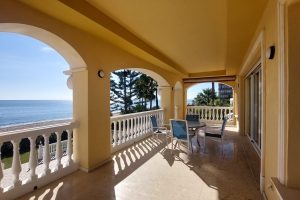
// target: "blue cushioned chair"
[[159, 130], [179, 130]]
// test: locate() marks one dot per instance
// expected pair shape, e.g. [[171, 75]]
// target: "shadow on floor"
[[133, 174], [223, 171]]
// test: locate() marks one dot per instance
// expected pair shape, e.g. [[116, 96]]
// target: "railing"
[[209, 113], [130, 128], [23, 178]]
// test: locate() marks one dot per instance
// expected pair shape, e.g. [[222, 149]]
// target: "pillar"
[[166, 102]]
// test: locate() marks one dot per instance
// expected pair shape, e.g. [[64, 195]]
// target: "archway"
[[77, 72], [133, 85], [132, 90], [210, 100]]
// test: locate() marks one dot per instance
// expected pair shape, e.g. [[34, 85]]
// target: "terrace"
[[252, 46]]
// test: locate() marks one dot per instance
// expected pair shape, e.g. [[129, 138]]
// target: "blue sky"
[[31, 70]]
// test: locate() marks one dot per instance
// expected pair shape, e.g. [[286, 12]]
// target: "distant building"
[[225, 91]]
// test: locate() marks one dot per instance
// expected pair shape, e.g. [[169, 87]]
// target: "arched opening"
[[32, 82], [210, 100], [45, 82], [135, 90], [137, 97]]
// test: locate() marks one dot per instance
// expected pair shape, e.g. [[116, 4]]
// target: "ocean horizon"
[[19, 112]]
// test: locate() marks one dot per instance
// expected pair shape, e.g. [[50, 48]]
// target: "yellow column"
[[166, 102], [80, 114], [91, 102]]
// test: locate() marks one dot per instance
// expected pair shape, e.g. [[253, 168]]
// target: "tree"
[[206, 97], [114, 93], [123, 90], [146, 90]]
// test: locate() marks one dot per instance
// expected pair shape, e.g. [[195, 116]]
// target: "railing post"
[[58, 153], [16, 163], [69, 147], [32, 158], [119, 132], [46, 154], [115, 137], [131, 128]]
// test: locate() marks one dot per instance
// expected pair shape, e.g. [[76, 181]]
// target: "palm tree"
[[206, 97]]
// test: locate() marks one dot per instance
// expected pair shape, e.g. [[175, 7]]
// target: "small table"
[[194, 126]]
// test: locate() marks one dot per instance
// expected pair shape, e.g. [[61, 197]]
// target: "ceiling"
[[189, 37]]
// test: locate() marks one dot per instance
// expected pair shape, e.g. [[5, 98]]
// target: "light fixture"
[[270, 54], [101, 73]]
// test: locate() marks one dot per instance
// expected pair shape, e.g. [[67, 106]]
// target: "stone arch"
[[61, 46], [77, 71], [162, 82]]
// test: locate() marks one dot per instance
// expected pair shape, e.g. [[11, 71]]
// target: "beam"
[[209, 79]]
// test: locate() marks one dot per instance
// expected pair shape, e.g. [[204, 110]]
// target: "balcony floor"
[[147, 170]]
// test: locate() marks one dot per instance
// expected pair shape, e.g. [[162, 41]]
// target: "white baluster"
[[131, 127], [1, 170], [147, 123], [115, 136], [119, 131], [222, 113], [123, 131], [140, 125], [58, 153], [69, 147], [213, 114], [16, 163], [46, 154], [32, 158], [135, 127]]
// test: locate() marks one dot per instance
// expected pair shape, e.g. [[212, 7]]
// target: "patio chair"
[[179, 130], [159, 130], [219, 134], [192, 118]]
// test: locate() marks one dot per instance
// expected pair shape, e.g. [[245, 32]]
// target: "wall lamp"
[[270, 54], [101, 73]]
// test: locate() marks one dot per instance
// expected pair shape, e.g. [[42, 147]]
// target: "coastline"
[[33, 125]]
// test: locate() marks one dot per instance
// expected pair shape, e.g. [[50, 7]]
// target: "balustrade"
[[38, 175], [129, 128], [209, 113]]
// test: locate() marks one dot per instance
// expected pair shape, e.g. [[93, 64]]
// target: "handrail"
[[135, 114], [28, 132]]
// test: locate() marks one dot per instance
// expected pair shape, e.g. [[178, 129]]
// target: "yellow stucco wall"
[[293, 35], [91, 94], [268, 29]]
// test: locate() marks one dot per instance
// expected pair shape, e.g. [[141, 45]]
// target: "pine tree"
[[146, 90], [123, 90]]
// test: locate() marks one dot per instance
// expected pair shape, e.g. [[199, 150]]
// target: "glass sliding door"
[[253, 107]]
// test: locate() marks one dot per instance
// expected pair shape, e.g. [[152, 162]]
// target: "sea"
[[19, 112]]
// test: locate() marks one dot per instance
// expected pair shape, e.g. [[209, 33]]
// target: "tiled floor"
[[148, 170]]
